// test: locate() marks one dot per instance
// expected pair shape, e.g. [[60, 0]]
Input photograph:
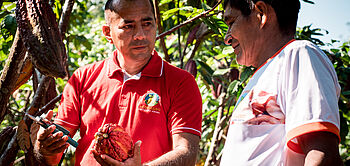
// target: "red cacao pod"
[[191, 67], [39, 31], [113, 140]]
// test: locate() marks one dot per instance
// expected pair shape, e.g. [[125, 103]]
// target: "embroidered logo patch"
[[150, 103], [152, 99]]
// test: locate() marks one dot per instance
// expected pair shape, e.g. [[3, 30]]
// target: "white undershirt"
[[127, 76]]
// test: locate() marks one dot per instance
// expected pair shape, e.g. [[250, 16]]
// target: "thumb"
[[49, 115], [137, 148]]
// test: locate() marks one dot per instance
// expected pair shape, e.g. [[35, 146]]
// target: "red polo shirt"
[[165, 100]]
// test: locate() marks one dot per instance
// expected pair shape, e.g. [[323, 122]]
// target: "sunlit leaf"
[[247, 72], [220, 72], [233, 87]]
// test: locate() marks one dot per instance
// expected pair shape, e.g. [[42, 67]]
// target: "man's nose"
[[228, 39], [140, 33]]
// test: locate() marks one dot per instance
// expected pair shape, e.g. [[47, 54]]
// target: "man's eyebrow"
[[147, 19], [132, 21], [128, 21]]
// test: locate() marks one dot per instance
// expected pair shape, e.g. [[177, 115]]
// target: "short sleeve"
[[69, 108], [310, 90], [185, 114]]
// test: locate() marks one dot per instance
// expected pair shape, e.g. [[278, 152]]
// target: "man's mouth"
[[235, 47], [139, 47]]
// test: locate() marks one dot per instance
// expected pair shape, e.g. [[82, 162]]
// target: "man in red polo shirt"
[[155, 102]]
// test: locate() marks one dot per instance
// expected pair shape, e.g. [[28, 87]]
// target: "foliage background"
[[219, 77]]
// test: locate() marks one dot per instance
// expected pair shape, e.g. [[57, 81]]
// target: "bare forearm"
[[176, 157], [48, 160], [319, 158], [321, 148]]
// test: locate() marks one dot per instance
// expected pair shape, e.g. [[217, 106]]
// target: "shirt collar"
[[154, 68]]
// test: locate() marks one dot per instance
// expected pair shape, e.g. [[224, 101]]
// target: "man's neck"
[[274, 42], [131, 66]]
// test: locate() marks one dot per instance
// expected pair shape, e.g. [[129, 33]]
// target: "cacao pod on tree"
[[113, 140], [191, 67], [39, 31], [234, 74]]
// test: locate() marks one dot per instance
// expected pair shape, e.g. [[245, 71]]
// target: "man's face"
[[132, 30], [242, 35]]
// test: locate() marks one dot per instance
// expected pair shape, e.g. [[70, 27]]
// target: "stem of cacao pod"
[[39, 95], [11, 73]]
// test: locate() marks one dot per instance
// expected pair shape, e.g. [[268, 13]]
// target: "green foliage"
[[201, 40]]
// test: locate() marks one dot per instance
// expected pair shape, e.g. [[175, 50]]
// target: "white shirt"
[[295, 92]]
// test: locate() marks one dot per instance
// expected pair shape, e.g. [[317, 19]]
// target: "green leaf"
[[247, 72], [220, 72], [220, 56], [205, 71], [228, 50], [345, 93], [211, 25], [8, 26], [233, 87], [172, 12], [206, 67]]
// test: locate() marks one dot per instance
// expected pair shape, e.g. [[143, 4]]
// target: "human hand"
[[105, 160], [48, 144]]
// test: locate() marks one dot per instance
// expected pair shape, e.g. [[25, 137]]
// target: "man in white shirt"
[[288, 112]]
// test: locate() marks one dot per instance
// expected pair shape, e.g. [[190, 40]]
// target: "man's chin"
[[142, 56]]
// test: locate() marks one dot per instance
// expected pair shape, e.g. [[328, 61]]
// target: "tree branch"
[[203, 14], [46, 107], [216, 130], [160, 30]]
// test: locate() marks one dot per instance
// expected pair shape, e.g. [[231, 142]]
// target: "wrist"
[[44, 159]]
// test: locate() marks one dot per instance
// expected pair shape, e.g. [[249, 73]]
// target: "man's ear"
[[262, 10], [107, 32]]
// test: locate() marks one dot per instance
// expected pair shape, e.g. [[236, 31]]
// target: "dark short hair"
[[286, 11], [110, 5]]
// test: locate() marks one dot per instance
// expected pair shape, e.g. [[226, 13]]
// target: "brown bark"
[[10, 73]]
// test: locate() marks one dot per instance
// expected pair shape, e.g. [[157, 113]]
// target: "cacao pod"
[[39, 31], [113, 140], [5, 137], [26, 73], [234, 74], [191, 67]]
